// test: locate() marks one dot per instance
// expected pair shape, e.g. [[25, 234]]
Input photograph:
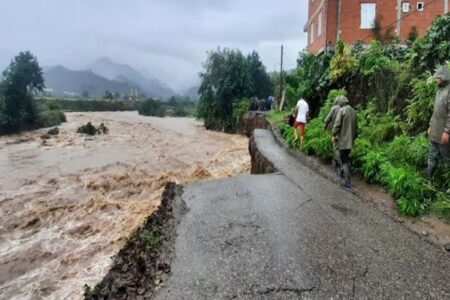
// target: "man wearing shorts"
[[302, 109]]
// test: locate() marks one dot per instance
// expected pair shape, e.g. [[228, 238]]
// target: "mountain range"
[[101, 75]]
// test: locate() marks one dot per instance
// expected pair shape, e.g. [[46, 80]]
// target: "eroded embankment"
[[259, 163], [144, 263]]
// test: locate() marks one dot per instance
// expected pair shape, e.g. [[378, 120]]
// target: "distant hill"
[[62, 80], [124, 73], [192, 93]]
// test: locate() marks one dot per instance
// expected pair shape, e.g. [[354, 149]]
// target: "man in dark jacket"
[[344, 134], [329, 122], [439, 130]]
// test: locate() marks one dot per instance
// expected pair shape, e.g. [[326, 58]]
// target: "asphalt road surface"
[[295, 235]]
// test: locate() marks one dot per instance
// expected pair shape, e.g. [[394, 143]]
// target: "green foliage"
[[92, 130], [309, 80], [21, 80], [89, 105], [153, 242], [229, 76], [393, 92], [329, 103], [151, 107], [261, 84], [441, 206], [49, 118], [373, 60], [239, 108], [179, 110], [225, 79], [433, 49], [420, 108], [317, 140], [408, 150], [342, 62], [108, 95]]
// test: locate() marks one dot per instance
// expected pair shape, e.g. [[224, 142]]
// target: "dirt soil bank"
[[141, 267], [68, 204]]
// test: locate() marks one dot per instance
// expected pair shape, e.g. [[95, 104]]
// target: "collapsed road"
[[292, 234]]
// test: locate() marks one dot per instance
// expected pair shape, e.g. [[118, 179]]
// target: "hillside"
[[62, 80], [120, 72]]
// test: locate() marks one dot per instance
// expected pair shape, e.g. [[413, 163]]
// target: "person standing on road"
[[439, 130], [344, 135], [329, 122], [302, 109]]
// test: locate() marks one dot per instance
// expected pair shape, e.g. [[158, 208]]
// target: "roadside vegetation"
[[229, 79], [393, 91], [18, 109]]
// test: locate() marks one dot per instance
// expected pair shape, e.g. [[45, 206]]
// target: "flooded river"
[[68, 204]]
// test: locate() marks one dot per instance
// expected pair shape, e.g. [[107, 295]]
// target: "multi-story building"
[[352, 20]]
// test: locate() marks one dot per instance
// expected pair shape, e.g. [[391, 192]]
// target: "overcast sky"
[[164, 39]]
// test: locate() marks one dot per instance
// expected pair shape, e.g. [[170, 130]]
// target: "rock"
[[447, 247], [424, 233], [45, 136], [53, 131]]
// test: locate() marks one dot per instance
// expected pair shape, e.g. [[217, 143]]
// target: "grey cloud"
[[167, 39]]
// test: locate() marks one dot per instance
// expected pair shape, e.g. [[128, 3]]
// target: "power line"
[[405, 16]]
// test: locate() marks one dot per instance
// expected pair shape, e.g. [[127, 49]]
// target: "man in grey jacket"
[[439, 130], [344, 134], [329, 122]]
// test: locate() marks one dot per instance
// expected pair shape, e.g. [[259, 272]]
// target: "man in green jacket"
[[329, 122], [439, 130], [344, 134]]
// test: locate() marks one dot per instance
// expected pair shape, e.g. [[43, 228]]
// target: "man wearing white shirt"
[[302, 109]]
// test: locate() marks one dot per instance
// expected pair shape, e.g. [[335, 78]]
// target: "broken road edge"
[[143, 264]]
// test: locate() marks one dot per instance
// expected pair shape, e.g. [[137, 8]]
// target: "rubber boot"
[[432, 165], [346, 170]]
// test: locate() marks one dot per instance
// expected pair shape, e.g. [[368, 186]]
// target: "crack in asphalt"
[[361, 276], [276, 290]]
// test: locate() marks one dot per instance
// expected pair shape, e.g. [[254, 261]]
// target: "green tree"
[[261, 83], [225, 80], [151, 107], [108, 95], [85, 94], [433, 49], [21, 80]]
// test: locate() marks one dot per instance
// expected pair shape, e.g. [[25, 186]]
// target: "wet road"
[[294, 235]]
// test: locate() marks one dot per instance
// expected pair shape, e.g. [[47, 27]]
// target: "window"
[[406, 7], [368, 14], [319, 25], [420, 6], [312, 32]]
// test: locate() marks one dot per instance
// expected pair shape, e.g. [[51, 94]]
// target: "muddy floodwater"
[[68, 204]]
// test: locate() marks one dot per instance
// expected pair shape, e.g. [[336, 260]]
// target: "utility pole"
[[281, 80]]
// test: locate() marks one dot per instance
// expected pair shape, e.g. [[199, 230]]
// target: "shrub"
[[441, 206], [92, 130], [49, 118], [342, 62], [151, 107], [239, 108], [87, 129]]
